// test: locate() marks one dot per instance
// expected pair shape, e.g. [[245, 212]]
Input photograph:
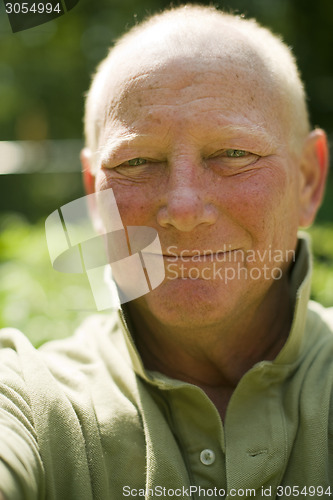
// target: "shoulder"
[[321, 318], [95, 343], [14, 345], [315, 363], [318, 337], [48, 402], [15, 352], [70, 361], [14, 348], [19, 444]]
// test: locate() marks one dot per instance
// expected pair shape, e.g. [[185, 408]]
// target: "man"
[[218, 382]]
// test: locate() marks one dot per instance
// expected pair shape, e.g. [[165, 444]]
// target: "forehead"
[[195, 91]]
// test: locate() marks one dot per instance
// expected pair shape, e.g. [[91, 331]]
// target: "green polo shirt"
[[82, 419]]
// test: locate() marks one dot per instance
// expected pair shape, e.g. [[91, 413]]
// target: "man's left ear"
[[314, 167]]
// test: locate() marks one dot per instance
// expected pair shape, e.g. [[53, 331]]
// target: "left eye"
[[136, 162], [235, 153]]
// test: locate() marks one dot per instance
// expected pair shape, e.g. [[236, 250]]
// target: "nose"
[[187, 201]]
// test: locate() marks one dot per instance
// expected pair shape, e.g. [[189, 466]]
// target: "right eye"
[[235, 153], [136, 162]]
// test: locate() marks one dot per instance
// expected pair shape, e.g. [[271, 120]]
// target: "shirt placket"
[[255, 435], [199, 432]]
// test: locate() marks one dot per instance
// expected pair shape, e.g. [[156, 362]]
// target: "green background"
[[44, 74]]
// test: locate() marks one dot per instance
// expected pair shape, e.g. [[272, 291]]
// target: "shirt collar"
[[300, 285]]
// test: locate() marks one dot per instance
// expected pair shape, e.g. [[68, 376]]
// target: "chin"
[[186, 302]]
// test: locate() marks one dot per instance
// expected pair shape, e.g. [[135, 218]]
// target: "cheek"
[[136, 202], [264, 202]]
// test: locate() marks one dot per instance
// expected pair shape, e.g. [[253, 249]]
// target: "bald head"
[[210, 39]]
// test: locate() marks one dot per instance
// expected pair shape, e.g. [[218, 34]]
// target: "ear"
[[314, 166], [88, 177], [89, 186]]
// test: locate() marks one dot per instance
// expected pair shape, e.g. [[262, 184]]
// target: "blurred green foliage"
[[41, 302], [322, 281]]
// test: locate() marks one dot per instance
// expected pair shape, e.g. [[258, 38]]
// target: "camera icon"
[[121, 263]]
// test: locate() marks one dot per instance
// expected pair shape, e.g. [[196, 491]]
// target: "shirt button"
[[207, 457]]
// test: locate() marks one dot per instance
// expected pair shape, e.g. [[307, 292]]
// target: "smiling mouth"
[[199, 257]]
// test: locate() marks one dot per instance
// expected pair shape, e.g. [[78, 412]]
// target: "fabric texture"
[[81, 418]]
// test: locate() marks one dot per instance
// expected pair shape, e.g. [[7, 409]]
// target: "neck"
[[217, 356]]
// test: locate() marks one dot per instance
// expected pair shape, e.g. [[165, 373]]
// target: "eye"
[[232, 161], [235, 153], [136, 162]]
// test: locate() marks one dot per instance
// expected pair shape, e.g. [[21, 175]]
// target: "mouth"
[[197, 256]]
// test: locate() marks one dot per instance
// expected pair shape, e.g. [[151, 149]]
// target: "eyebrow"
[[246, 132], [115, 144]]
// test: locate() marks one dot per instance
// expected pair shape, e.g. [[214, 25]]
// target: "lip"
[[196, 257]]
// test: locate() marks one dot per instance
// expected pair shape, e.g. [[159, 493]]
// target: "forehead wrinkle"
[[150, 91], [126, 83], [134, 111], [181, 78], [118, 90], [183, 116]]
